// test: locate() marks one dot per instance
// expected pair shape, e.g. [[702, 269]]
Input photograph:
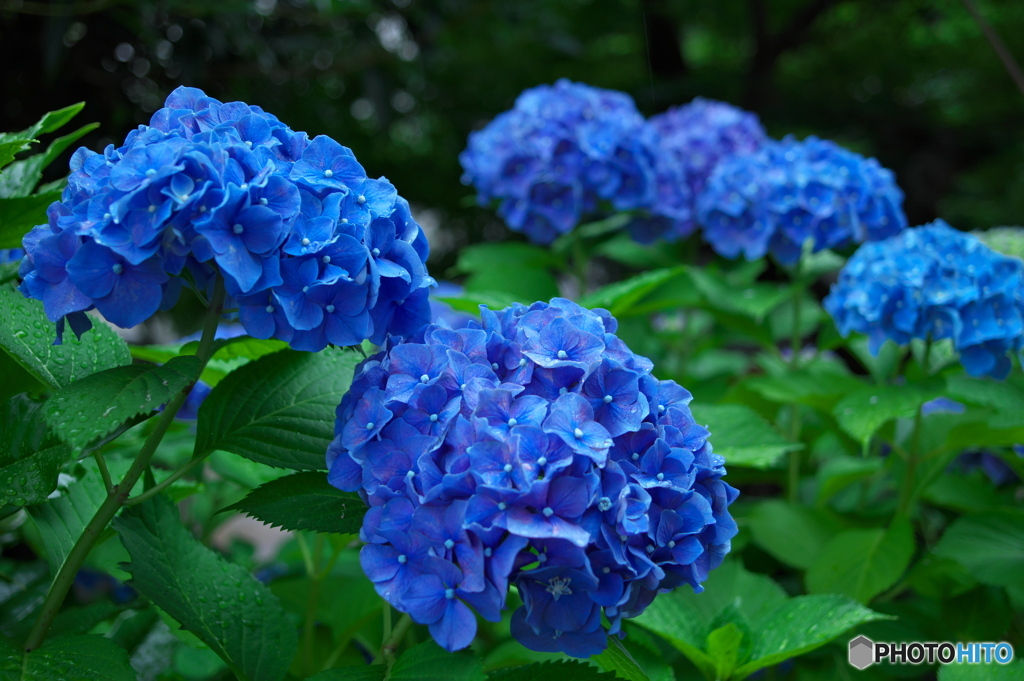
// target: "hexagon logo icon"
[[862, 652]]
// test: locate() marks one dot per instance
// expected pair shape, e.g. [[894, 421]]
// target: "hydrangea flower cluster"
[[557, 154], [687, 143], [934, 282], [532, 448], [789, 192], [311, 250]]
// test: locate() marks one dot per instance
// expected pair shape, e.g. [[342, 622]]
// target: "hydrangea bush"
[[533, 449], [517, 462], [312, 250]]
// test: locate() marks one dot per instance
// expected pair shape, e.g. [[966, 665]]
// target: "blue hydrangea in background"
[[312, 251], [789, 192], [557, 154], [687, 143], [532, 448], [934, 282], [9, 255]]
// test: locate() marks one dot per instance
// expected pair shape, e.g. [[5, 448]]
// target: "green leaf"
[[1004, 398], [11, 144], [742, 436], [723, 646], [62, 520], [345, 611], [22, 176], [22, 590], [375, 672], [229, 354], [29, 340], [621, 248], [754, 301], [470, 303], [863, 412], [1005, 240], [239, 347], [54, 120], [619, 297], [801, 625], [20, 214], [222, 604], [243, 472], [304, 501], [617, 659], [495, 300], [9, 271], [429, 662], [1014, 671], [29, 461], [157, 354], [80, 619], [32, 479], [792, 534], [278, 410], [813, 265], [990, 544], [96, 405], [965, 494], [552, 670], [819, 386], [685, 619], [70, 658], [486, 256], [841, 471], [862, 563], [590, 230], [516, 269]]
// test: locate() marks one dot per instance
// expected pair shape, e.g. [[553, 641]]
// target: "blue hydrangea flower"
[[792, 192], [557, 154], [312, 251], [530, 448], [687, 144], [934, 282]]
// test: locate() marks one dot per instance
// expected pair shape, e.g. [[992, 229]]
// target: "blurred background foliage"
[[403, 82]]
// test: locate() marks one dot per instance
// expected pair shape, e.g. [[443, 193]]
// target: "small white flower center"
[[558, 587]]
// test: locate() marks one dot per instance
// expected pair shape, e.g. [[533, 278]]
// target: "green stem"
[[793, 481], [101, 463], [118, 494], [166, 482], [905, 504], [390, 645], [307, 555], [313, 600], [386, 635]]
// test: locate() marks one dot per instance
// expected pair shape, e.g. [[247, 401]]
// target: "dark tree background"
[[402, 82]]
